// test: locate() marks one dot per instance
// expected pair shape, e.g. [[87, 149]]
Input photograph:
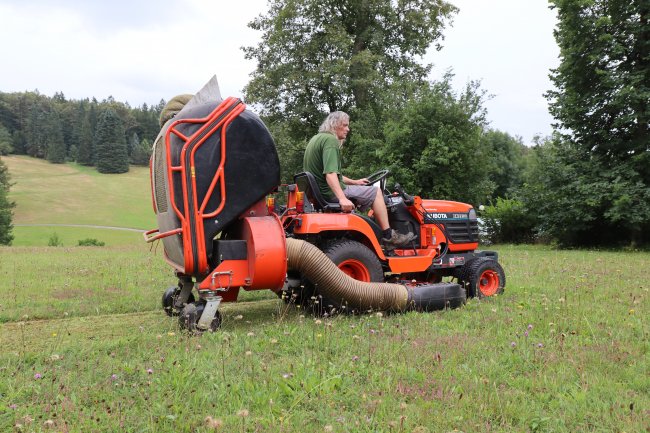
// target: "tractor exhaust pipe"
[[337, 286]]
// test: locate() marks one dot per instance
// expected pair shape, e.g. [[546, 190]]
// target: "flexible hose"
[[336, 285]]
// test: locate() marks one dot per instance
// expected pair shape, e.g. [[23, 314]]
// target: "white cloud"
[[144, 50], [509, 46]]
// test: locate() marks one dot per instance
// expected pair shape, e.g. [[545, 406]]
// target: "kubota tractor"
[[215, 175]]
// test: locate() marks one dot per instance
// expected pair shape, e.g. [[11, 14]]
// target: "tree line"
[[586, 184], [109, 134]]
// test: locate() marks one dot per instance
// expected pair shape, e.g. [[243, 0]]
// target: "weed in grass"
[[54, 241]]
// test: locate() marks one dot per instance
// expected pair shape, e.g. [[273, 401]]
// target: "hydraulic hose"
[[339, 287]]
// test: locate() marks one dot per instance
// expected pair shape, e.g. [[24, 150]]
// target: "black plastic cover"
[[251, 170]]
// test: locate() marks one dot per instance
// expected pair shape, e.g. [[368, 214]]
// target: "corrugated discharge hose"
[[336, 285]]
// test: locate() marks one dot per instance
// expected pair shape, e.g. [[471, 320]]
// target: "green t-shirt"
[[323, 156]]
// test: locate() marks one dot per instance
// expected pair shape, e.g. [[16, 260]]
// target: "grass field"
[[86, 348], [72, 194]]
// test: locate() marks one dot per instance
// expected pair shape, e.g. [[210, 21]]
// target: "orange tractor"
[[215, 174]]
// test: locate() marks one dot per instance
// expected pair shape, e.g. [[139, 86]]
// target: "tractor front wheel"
[[483, 277]]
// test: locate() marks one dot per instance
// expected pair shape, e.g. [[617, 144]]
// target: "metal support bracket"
[[209, 311], [186, 289]]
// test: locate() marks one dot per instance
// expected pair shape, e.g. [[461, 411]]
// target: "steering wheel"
[[378, 176]]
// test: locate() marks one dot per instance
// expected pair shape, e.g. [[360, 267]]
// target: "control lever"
[[408, 199]]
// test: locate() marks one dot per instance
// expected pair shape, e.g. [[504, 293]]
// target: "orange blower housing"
[[210, 205]]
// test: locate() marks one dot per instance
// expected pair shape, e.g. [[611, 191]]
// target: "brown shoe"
[[398, 240]]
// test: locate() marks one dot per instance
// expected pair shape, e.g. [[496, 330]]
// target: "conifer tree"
[[55, 149], [6, 141], [85, 152], [141, 153], [6, 206], [110, 144]]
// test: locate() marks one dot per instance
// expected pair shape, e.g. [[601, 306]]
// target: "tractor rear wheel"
[[190, 315], [483, 277], [356, 261]]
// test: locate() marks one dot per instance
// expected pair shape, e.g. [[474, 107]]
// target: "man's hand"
[[348, 181], [333, 182], [346, 205]]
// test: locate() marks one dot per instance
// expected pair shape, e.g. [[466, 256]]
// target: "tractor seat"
[[307, 183]]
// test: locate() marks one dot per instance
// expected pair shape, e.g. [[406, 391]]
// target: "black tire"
[[169, 300], [483, 277], [353, 258], [190, 316]]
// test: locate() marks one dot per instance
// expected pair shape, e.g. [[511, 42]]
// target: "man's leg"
[[391, 238], [379, 209]]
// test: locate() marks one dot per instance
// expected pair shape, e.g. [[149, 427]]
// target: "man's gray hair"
[[333, 121]]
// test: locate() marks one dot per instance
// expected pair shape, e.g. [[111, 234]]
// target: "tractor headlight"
[[472, 214]]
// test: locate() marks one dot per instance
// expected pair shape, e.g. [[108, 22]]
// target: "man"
[[323, 159]]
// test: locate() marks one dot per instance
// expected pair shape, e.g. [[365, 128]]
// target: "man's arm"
[[348, 181], [333, 182]]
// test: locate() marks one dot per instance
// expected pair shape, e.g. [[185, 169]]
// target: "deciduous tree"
[[318, 56], [596, 175]]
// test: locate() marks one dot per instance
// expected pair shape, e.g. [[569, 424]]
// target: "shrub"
[[508, 221], [54, 241], [90, 242]]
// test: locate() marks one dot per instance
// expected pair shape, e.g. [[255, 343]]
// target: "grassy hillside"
[[72, 194]]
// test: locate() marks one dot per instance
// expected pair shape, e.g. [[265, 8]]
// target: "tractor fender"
[[316, 223]]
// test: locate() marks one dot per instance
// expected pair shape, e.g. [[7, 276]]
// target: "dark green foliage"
[[110, 144], [509, 221], [86, 150], [6, 141], [592, 184], [582, 203], [19, 142], [133, 142], [433, 145], [90, 242], [141, 153], [603, 81], [507, 157], [55, 149], [36, 132], [28, 117], [6, 206]]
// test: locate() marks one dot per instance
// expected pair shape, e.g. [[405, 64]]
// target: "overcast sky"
[[145, 50]]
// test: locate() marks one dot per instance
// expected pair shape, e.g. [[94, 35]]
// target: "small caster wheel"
[[169, 300], [190, 316]]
